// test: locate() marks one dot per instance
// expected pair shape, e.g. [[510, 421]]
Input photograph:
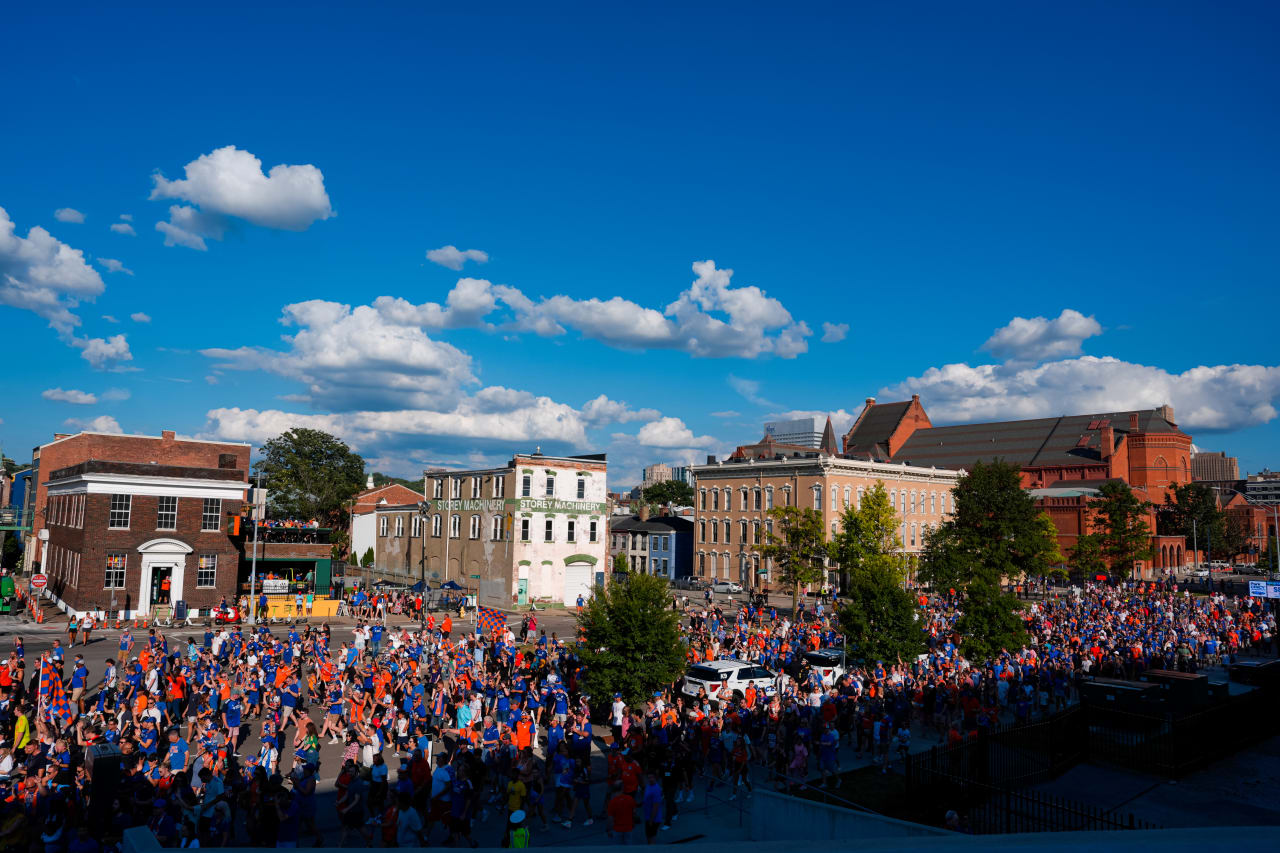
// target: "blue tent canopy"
[[453, 585], [418, 587]]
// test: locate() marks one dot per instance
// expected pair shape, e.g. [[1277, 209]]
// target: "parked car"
[[726, 586], [689, 583], [728, 678], [829, 663]]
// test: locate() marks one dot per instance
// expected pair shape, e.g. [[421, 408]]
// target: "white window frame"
[[399, 525], [207, 563], [211, 521], [455, 487], [476, 486], [582, 488], [473, 527], [121, 508], [110, 573], [550, 486], [161, 513], [526, 485], [455, 526], [499, 486], [382, 525], [437, 525], [549, 530], [415, 527], [496, 533]]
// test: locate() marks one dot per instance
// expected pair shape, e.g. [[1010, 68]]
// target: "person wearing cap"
[[517, 831]]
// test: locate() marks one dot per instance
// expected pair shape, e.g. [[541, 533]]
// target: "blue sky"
[[1011, 210]]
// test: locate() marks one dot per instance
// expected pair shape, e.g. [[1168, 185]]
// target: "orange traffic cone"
[[40, 616]]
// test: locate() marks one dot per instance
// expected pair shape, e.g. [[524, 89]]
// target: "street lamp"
[[253, 562]]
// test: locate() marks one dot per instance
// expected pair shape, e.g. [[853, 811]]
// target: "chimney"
[[644, 512], [1133, 422], [871, 401], [167, 435], [915, 398], [711, 459], [368, 483], [1166, 412], [1106, 441]]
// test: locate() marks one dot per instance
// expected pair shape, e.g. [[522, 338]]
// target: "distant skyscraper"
[[1214, 466], [805, 432], [655, 474]]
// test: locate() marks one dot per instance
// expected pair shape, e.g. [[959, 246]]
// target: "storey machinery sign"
[[514, 505]]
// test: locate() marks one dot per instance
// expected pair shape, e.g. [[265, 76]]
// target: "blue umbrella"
[[450, 585], [418, 587]]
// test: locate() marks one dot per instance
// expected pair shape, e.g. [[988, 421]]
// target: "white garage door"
[[577, 581]]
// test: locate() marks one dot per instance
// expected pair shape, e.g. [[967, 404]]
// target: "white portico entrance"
[[162, 559]]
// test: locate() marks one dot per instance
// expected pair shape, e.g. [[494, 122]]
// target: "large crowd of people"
[[220, 734]]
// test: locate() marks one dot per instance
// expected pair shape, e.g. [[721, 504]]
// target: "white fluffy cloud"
[[112, 265], [70, 395], [834, 332], [123, 228], [68, 214], [472, 419], [1221, 397], [140, 317], [671, 432], [710, 319], [115, 395], [229, 183], [601, 411], [1039, 339], [353, 359], [104, 353], [454, 258], [42, 274], [102, 423]]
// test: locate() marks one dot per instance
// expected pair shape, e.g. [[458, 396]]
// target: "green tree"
[[991, 621], [676, 492], [1191, 510], [798, 548], [1120, 519], [11, 552], [631, 641], [1235, 537], [1267, 558], [310, 474], [380, 480], [620, 564], [995, 534], [367, 560], [878, 618], [1086, 557]]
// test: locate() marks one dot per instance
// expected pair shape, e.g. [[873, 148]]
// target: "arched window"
[[817, 498], [744, 499], [435, 526], [715, 499], [848, 493], [768, 497], [755, 496], [755, 532], [715, 530], [728, 529], [728, 499], [742, 532], [702, 564]]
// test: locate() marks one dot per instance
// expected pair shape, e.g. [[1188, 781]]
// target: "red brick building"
[[1064, 460], [117, 514]]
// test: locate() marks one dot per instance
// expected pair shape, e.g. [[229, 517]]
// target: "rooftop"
[[145, 469]]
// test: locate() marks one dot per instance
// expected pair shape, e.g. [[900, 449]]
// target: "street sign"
[[477, 577], [39, 581]]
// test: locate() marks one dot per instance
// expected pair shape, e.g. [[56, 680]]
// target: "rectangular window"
[[114, 577], [416, 527], [526, 486], [573, 530], [715, 499], [549, 534], [399, 525], [551, 486], [437, 488], [524, 530], [207, 570], [817, 499], [435, 526], [455, 526], [167, 513], [497, 528], [474, 527], [591, 531], [715, 531], [755, 496], [455, 487], [499, 486], [118, 517], [582, 487], [702, 499], [382, 525], [475, 487], [211, 515]]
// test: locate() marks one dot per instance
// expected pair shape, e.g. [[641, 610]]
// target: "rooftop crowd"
[[440, 729]]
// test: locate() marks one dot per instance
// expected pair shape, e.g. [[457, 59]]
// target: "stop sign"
[[39, 581]]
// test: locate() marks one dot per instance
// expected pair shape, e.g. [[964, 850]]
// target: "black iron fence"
[[992, 810]]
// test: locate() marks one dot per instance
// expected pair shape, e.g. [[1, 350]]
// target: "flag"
[[52, 697], [489, 620]]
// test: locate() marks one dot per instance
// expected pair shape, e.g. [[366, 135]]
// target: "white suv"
[[728, 678]]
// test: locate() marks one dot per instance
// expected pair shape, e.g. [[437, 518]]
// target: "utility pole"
[[253, 570]]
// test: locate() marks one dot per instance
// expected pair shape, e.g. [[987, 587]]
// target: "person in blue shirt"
[[179, 752], [79, 680], [376, 636]]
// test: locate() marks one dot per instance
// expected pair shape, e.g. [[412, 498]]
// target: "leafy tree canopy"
[[1119, 519], [632, 640], [676, 492], [310, 474], [798, 548], [620, 564], [380, 480]]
